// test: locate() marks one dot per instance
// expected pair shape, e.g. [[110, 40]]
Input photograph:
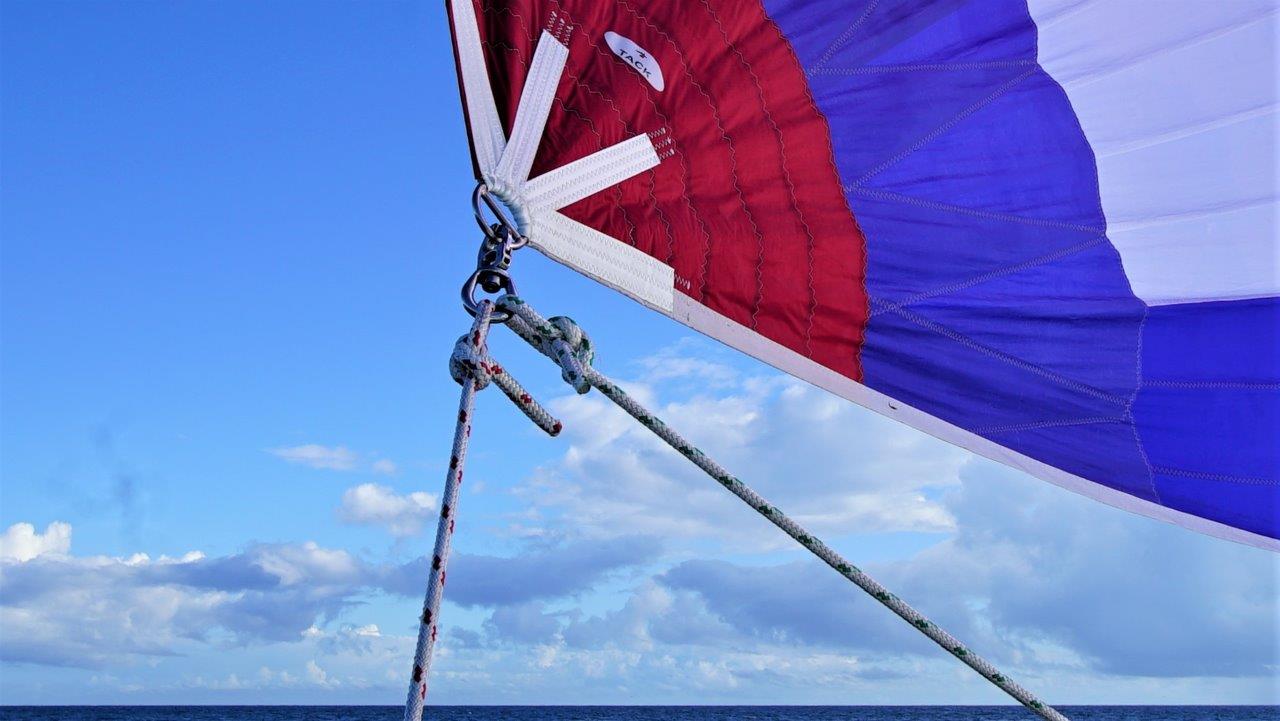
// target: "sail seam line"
[[924, 67], [890, 196]]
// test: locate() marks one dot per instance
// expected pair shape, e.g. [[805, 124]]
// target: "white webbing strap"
[[482, 115], [609, 261], [535, 105], [570, 183], [505, 166]]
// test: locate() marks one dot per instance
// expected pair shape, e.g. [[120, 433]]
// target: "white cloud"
[[312, 455], [144, 607], [317, 675], [615, 594], [376, 505], [357, 640], [335, 458], [828, 463], [20, 542]]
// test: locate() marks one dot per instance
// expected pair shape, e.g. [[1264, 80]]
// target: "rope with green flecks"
[[564, 342]]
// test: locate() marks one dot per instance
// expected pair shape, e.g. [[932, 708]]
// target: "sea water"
[[634, 713]]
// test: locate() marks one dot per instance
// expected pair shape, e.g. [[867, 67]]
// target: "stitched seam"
[[489, 7], [786, 176], [992, 275], [479, 109], [1213, 385], [523, 144], [653, 173], [1063, 15], [923, 67], [962, 210], [590, 174], [617, 189], [989, 430], [1216, 476], [733, 153], [933, 135], [1128, 407], [835, 173], [1146, 309], [1008, 359], [563, 105], [1083, 80], [843, 38]]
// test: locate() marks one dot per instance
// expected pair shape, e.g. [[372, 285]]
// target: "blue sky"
[[233, 236]]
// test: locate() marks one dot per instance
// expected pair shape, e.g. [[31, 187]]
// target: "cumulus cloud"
[[21, 542], [1057, 590], [1022, 571], [544, 572], [319, 676], [371, 504], [828, 463], [654, 616], [357, 640], [621, 591], [139, 606], [526, 623], [1033, 576], [312, 455]]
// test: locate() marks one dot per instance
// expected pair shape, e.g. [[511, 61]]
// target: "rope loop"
[[470, 352], [468, 361]]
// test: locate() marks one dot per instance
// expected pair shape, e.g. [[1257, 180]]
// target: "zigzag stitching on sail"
[[786, 176], [1215, 476], [733, 155], [684, 167]]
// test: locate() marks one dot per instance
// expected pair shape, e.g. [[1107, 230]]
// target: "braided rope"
[[470, 361], [572, 350], [471, 366]]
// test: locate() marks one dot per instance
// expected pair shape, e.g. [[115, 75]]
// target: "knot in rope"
[[468, 361], [577, 339], [560, 339]]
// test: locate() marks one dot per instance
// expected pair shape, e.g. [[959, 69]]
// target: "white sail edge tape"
[[482, 113], [570, 183], [606, 259], [535, 105]]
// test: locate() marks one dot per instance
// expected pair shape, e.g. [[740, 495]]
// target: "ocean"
[[633, 713]]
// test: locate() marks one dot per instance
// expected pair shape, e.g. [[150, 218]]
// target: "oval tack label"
[[636, 57]]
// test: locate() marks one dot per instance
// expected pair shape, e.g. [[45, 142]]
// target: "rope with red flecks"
[[471, 366]]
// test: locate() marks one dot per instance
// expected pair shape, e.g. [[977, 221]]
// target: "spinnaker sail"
[[1043, 230]]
